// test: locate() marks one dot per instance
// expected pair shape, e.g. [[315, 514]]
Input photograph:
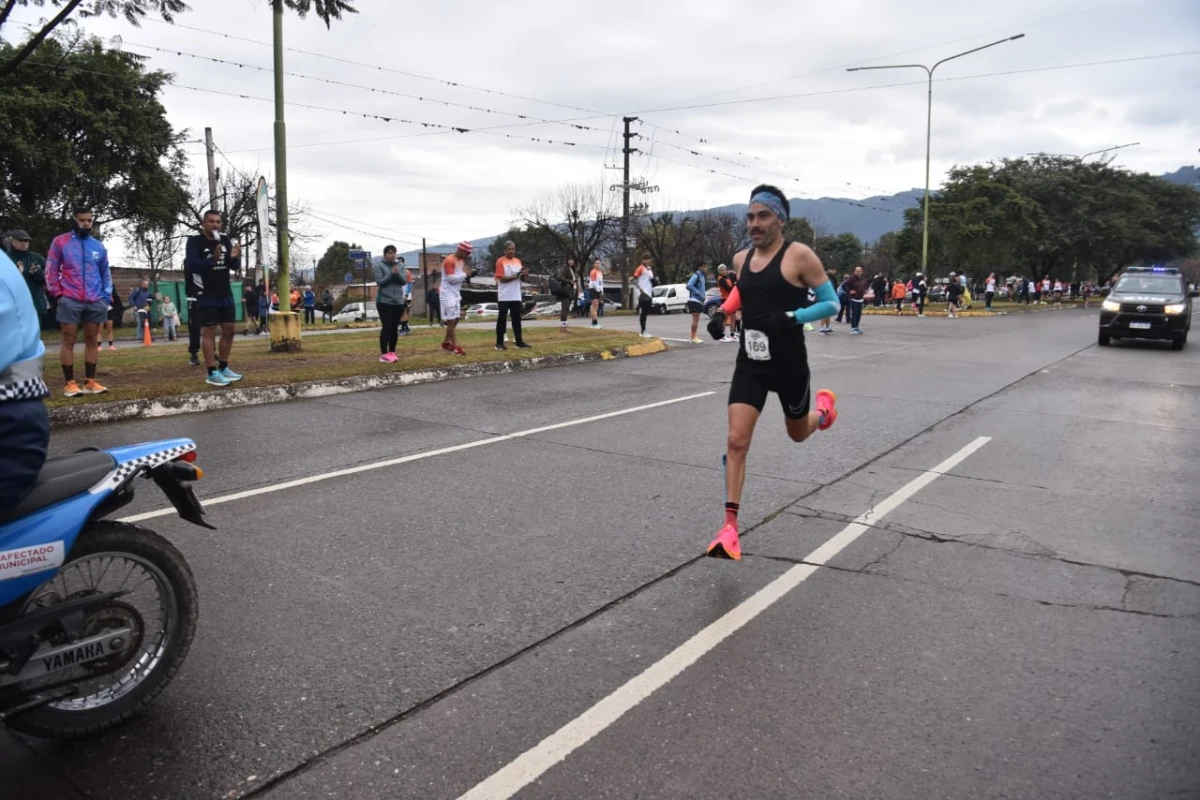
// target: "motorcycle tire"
[[54, 721]]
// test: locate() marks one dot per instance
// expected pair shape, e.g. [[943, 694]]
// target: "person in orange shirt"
[[509, 273], [455, 270], [596, 290], [899, 291], [644, 276]]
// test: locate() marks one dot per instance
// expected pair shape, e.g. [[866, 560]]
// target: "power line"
[[1091, 10], [331, 82], [375, 235], [345, 112], [418, 76], [744, 179], [849, 89]]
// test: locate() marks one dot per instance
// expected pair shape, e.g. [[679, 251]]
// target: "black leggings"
[[389, 315], [899, 305], [566, 307], [509, 307], [644, 306]]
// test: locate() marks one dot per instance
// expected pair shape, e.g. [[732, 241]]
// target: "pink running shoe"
[[458, 351], [827, 404], [726, 545], [449, 348]]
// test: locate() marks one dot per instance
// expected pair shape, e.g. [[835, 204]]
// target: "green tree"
[[799, 229], [535, 247], [1052, 216], [133, 11], [722, 236], [87, 125], [843, 252], [333, 266]]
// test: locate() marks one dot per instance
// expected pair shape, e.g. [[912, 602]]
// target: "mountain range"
[[867, 217]]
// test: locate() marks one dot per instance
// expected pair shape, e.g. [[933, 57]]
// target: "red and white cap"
[[465, 247]]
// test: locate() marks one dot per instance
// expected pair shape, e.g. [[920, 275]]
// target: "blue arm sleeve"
[[827, 305]]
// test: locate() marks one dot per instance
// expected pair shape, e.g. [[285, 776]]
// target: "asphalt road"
[[528, 614]]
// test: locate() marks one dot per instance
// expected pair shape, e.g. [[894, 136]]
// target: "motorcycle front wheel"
[[160, 609]]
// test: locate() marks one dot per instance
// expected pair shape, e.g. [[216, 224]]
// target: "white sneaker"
[[645, 335], [727, 338]]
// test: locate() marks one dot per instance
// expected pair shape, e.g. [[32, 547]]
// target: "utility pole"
[[210, 151], [627, 150], [285, 329]]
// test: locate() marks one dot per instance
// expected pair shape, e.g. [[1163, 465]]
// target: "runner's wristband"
[[827, 305]]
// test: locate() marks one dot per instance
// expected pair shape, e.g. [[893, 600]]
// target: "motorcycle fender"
[[181, 496]]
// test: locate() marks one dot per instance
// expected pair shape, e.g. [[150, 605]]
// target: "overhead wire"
[[331, 82]]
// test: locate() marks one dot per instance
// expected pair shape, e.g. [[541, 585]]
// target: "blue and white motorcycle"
[[96, 616]]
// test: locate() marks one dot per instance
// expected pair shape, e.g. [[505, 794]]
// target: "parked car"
[[482, 309], [712, 301], [354, 312], [670, 297]]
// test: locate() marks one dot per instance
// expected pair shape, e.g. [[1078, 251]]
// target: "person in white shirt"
[[509, 274], [989, 291], [644, 276], [455, 270], [596, 288]]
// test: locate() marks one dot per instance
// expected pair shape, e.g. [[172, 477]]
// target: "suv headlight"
[[1111, 305], [1176, 308]]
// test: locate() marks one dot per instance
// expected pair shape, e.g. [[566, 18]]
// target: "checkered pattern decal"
[[127, 470], [32, 389]]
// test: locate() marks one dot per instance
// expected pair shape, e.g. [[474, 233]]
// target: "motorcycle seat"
[[60, 479]]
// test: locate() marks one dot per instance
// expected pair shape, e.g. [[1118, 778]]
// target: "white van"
[[355, 312], [670, 297]]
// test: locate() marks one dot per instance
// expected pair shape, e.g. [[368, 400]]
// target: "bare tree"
[[237, 200], [722, 235], [674, 243], [154, 247], [580, 219]]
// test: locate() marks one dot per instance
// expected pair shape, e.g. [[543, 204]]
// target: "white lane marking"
[[441, 451], [532, 764], [669, 339]]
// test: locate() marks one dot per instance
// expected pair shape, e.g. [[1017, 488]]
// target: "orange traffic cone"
[[146, 333]]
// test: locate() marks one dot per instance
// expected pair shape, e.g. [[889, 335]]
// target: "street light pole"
[[929, 126]]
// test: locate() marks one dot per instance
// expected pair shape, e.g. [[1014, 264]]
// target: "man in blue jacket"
[[77, 275], [24, 425], [139, 301], [310, 306]]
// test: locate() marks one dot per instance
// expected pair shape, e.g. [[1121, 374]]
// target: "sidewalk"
[[158, 381]]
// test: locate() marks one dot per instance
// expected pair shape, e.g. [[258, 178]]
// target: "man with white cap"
[[455, 270]]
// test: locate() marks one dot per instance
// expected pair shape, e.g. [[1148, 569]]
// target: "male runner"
[[773, 281], [210, 257], [454, 272]]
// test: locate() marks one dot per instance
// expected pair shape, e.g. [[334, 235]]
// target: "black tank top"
[[767, 290]]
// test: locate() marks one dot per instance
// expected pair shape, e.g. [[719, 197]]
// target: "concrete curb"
[[73, 416]]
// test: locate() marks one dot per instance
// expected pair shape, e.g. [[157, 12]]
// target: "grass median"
[[150, 372]]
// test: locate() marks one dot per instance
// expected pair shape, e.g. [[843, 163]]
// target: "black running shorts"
[[216, 315], [751, 388]]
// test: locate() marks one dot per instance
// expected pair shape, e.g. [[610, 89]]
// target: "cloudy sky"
[[763, 85]]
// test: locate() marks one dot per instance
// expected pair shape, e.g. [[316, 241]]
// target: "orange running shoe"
[[72, 389], [827, 405], [726, 545], [92, 386]]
